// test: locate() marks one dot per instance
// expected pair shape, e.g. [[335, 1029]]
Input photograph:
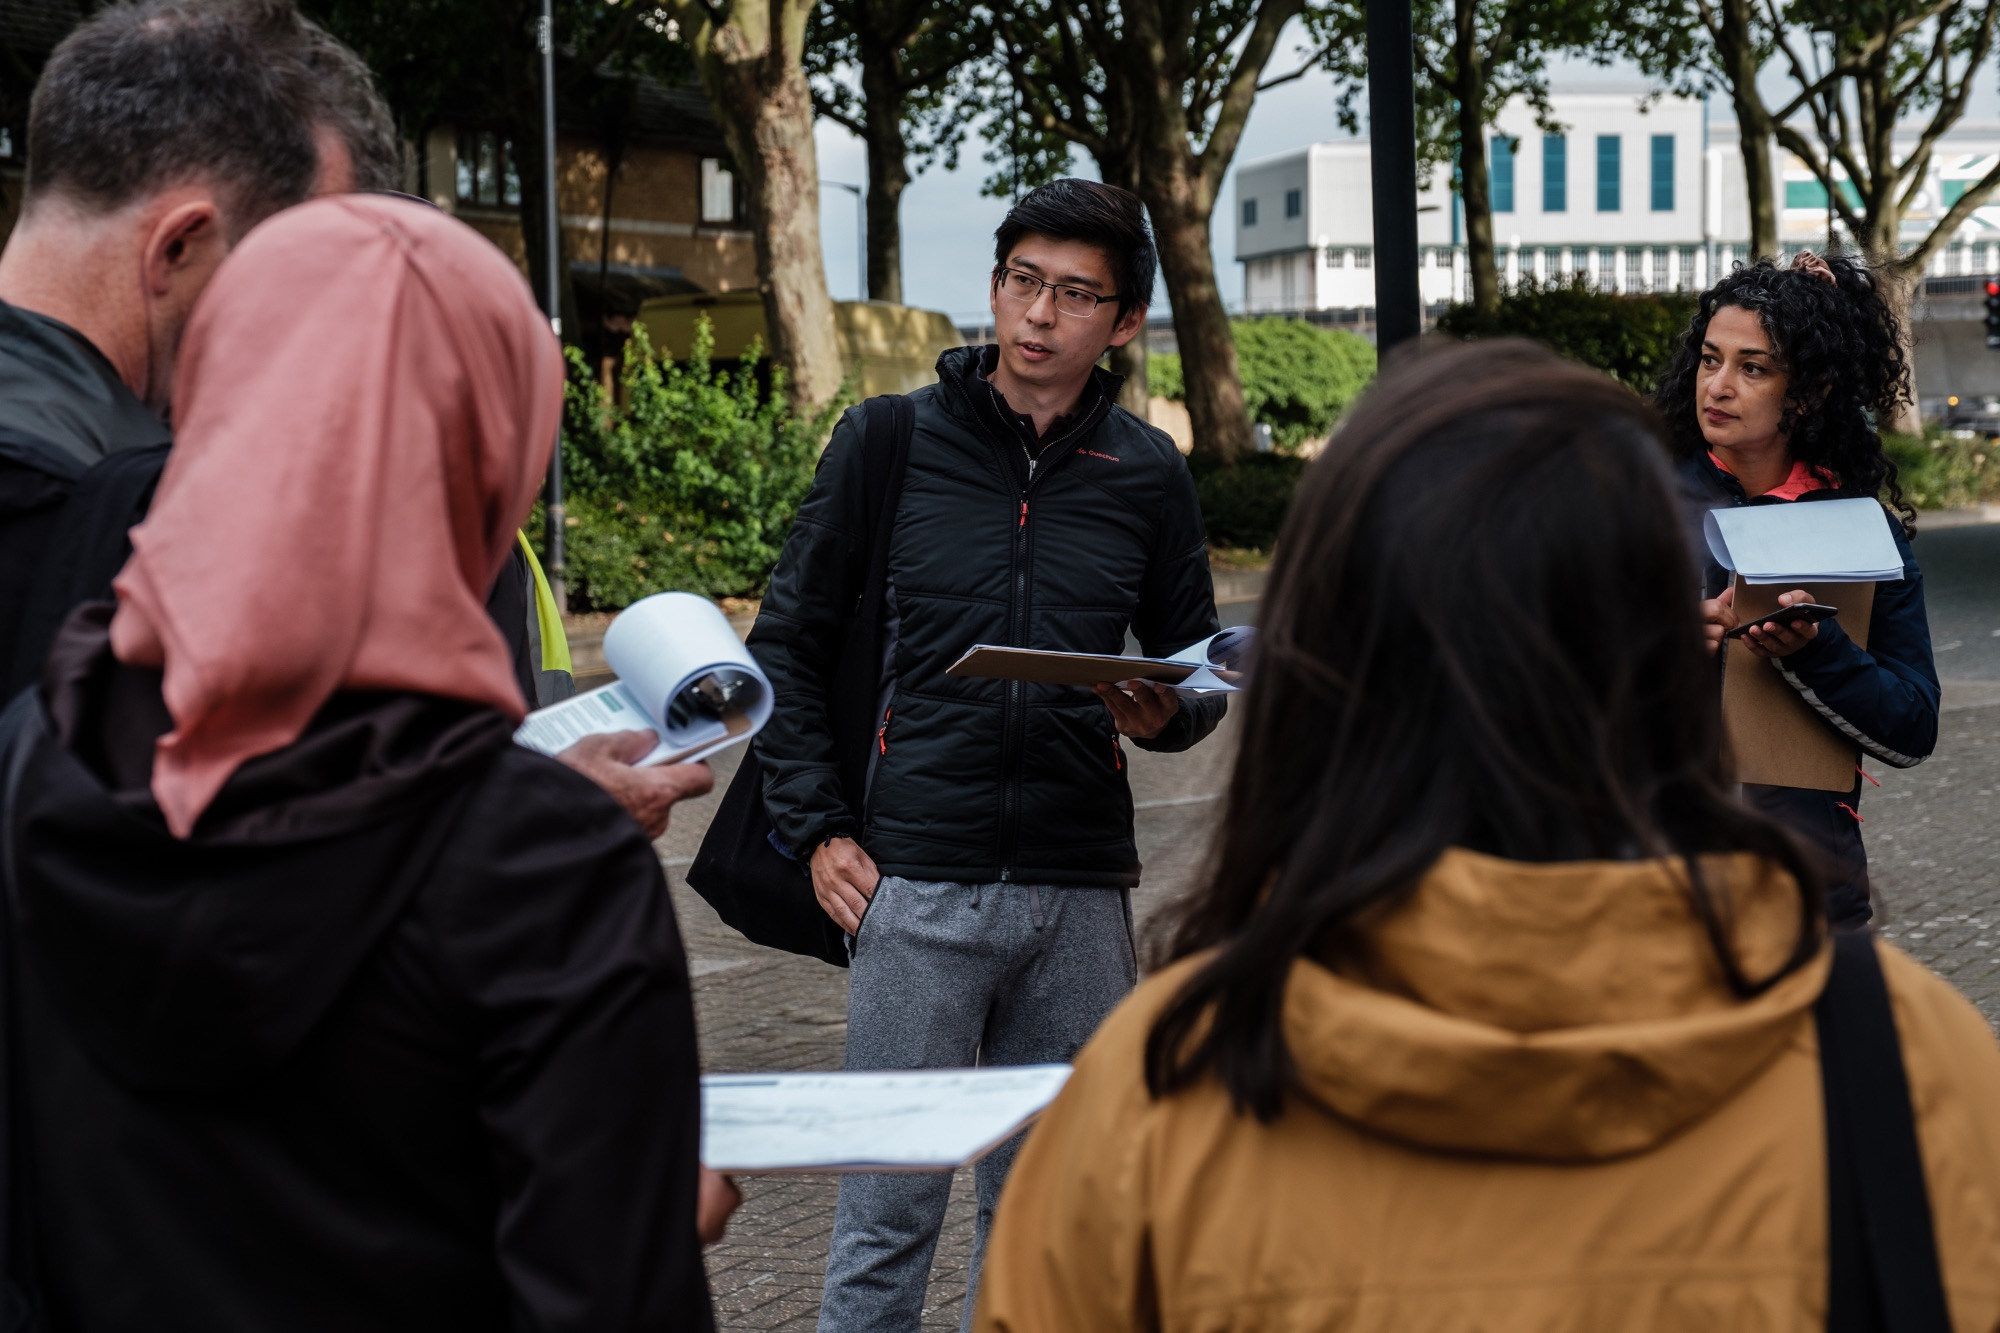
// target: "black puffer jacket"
[[984, 780]]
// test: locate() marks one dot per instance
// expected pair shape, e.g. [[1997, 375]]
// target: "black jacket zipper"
[[1014, 716]]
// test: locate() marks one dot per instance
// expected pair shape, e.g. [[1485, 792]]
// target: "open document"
[[1221, 662], [683, 674], [919, 1120], [1818, 541]]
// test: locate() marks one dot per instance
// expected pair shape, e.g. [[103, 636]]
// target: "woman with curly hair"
[[1773, 398]]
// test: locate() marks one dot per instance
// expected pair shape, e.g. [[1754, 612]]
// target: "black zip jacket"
[[1884, 698], [979, 781], [63, 412], [400, 1039]]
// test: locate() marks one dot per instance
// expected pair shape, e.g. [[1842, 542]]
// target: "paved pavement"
[[1934, 841]]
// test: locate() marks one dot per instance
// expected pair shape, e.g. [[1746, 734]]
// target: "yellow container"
[[885, 348]]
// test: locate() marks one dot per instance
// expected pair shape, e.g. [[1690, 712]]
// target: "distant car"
[[1976, 415]]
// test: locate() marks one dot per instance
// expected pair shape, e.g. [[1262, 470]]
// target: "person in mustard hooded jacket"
[[1496, 1011]]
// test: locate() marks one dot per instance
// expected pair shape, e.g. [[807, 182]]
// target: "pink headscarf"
[[366, 400]]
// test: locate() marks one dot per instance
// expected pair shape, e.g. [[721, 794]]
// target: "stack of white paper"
[[683, 674], [921, 1120], [1812, 541]]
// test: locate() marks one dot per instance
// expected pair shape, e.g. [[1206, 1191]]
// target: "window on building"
[[1608, 166], [1336, 257], [1663, 173], [1249, 212], [1555, 173], [486, 170], [719, 203], [1295, 203], [1364, 256], [1811, 194], [1662, 277], [1579, 261], [1502, 162], [1441, 257], [1686, 280], [1954, 261], [1635, 269], [1607, 270]]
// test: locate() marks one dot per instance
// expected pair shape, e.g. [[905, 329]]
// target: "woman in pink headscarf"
[[339, 1010]]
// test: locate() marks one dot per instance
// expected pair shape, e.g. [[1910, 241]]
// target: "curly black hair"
[[1842, 346]]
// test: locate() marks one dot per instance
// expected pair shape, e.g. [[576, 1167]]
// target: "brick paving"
[[1934, 841]]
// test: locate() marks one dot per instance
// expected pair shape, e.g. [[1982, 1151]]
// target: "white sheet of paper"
[[917, 1120], [1812, 541]]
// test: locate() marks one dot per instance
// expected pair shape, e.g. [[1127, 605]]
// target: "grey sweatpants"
[[949, 975]]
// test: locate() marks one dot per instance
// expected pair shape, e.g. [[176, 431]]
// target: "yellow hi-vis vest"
[[554, 678]]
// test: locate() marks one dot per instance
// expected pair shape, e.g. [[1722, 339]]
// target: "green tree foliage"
[[913, 62], [1297, 378], [686, 479], [1630, 336]]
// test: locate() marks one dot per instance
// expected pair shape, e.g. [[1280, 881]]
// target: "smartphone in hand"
[[1805, 613]]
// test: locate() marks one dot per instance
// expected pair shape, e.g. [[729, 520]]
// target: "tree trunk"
[[1475, 190], [756, 85], [1216, 414], [1474, 184], [1760, 179], [1736, 50], [1130, 361], [1899, 287], [1135, 395], [888, 173]]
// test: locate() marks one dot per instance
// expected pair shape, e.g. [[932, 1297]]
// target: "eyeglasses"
[[1018, 286]]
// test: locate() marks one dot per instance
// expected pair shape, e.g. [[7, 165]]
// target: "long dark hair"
[[1842, 345], [1478, 633]]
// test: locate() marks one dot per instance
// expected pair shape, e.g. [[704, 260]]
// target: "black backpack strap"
[[887, 424], [1882, 1260]]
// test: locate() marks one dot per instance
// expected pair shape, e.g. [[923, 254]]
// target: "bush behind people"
[[685, 478], [1630, 336]]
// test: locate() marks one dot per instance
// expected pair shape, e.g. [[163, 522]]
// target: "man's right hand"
[[844, 879]]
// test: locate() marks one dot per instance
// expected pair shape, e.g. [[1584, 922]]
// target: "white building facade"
[[1638, 192]]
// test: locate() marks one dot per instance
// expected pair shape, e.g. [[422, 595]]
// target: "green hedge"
[[1243, 506], [1297, 377], [1632, 337], [686, 480], [1942, 471]]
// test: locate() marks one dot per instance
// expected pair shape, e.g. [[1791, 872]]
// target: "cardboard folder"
[[1775, 736]]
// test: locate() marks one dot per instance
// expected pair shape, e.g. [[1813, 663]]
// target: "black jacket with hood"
[[1884, 698], [64, 416], [400, 1039], [1063, 547]]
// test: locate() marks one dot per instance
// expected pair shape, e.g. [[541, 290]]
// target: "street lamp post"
[[860, 236], [545, 39], [1392, 157]]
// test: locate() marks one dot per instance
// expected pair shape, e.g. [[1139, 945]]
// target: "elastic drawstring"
[[1852, 811], [1035, 906], [975, 897]]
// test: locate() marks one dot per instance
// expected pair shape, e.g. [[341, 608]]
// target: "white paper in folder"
[[899, 1120], [1812, 541], [683, 674]]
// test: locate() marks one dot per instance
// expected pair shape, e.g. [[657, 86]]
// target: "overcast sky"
[[948, 225]]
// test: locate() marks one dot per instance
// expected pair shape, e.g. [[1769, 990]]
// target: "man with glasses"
[[986, 880]]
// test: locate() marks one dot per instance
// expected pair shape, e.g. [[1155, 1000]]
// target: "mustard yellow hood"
[[1570, 1011]]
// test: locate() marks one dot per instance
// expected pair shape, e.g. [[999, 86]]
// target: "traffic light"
[[1993, 313]]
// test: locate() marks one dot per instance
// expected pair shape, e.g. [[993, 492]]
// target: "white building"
[[1638, 192]]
